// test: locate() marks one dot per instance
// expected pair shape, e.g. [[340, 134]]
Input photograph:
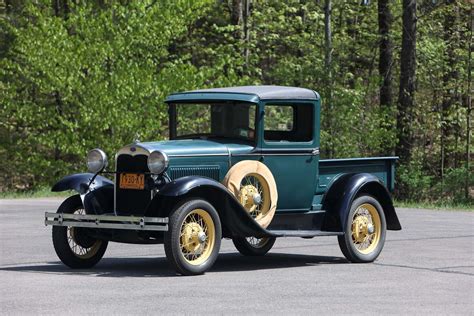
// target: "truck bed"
[[331, 169], [306, 223], [382, 167]]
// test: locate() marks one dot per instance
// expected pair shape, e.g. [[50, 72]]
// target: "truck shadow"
[[159, 267]]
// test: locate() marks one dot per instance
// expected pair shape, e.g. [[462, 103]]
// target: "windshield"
[[221, 119]]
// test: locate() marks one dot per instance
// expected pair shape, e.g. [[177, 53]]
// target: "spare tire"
[[252, 183]]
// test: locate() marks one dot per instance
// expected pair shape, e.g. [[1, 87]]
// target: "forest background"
[[394, 76]]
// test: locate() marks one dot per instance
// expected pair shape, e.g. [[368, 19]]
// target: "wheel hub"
[[361, 228], [250, 197], [80, 236], [257, 199], [193, 236]]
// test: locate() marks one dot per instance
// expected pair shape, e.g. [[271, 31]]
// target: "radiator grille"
[[203, 171], [131, 202]]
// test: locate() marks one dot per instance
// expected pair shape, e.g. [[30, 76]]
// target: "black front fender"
[[338, 199], [79, 182], [235, 219], [98, 199]]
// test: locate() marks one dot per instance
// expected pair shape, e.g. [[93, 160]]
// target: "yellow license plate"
[[132, 181]]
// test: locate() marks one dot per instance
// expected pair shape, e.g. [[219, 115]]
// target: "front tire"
[[252, 246], [365, 232], [74, 247], [193, 240]]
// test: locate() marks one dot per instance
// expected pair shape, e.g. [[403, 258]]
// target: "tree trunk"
[[61, 8], [7, 6], [406, 93], [451, 40], [237, 16], [385, 52], [328, 36], [469, 107], [328, 66], [246, 17]]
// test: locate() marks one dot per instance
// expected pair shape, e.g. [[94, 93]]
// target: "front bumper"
[[107, 221]]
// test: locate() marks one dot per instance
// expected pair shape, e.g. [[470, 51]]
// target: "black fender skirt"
[[338, 199], [235, 219]]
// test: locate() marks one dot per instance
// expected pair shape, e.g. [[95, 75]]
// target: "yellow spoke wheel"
[[254, 195], [193, 238], [364, 235], [197, 237], [366, 228]]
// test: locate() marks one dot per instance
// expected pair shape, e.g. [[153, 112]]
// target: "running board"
[[302, 233], [107, 221]]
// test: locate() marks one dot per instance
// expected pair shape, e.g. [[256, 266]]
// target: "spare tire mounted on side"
[[252, 183]]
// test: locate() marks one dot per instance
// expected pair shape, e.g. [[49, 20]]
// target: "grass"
[[39, 193], [441, 205], [46, 192]]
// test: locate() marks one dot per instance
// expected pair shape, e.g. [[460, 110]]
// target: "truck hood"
[[187, 147]]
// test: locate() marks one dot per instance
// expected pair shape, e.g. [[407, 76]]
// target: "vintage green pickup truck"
[[240, 163]]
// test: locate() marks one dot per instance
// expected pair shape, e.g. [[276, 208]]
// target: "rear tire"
[[251, 246], [366, 227], [74, 247], [193, 240]]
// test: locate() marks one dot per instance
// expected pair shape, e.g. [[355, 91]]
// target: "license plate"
[[132, 181]]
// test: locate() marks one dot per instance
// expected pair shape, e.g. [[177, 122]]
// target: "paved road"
[[426, 268]]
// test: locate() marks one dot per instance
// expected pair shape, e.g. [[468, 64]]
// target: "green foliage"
[[415, 180], [94, 79], [424, 188], [94, 74], [451, 188]]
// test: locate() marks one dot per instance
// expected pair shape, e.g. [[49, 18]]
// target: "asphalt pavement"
[[427, 268]]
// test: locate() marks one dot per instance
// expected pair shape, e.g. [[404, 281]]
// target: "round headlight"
[[157, 162], [96, 160]]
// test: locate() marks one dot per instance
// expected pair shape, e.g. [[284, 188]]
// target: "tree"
[[385, 52], [328, 67], [406, 94], [450, 82], [240, 14], [468, 99], [93, 79]]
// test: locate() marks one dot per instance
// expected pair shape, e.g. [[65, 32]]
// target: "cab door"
[[289, 148]]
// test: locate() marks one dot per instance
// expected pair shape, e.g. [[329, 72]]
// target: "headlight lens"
[[157, 162], [96, 160]]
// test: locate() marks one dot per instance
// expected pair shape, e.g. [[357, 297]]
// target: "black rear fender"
[[234, 218], [339, 197]]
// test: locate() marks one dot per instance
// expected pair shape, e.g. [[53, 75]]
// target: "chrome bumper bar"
[[107, 221]]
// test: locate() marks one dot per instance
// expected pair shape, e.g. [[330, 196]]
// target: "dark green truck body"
[[273, 129], [310, 190]]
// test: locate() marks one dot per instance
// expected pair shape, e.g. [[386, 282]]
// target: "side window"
[[288, 122], [279, 118]]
